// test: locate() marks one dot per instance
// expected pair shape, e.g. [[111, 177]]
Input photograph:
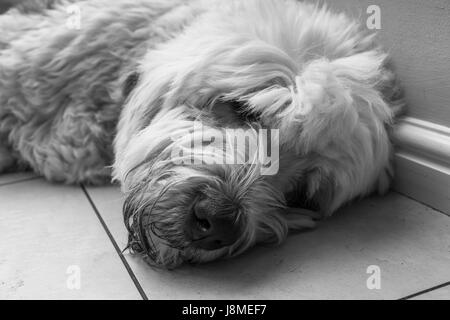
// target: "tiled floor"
[[64, 242]]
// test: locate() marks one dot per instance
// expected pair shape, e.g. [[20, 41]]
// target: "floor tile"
[[438, 294], [49, 239], [9, 178], [409, 242]]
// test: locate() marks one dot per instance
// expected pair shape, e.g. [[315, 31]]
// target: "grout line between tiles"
[[426, 291], [423, 203], [18, 181], [116, 247]]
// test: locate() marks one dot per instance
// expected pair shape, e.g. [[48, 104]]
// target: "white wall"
[[417, 33]]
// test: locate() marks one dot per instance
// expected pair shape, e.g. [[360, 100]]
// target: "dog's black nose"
[[211, 229]]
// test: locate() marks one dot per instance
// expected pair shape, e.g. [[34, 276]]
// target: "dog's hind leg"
[[72, 147]]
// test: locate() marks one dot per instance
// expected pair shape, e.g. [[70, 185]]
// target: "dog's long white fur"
[[314, 75]]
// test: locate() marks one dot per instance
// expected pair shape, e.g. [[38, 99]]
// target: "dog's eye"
[[129, 84], [232, 112], [243, 112], [203, 224]]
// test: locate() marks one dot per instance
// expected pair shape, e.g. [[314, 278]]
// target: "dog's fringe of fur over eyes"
[[126, 90]]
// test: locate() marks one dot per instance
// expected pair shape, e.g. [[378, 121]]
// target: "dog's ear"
[[130, 83]]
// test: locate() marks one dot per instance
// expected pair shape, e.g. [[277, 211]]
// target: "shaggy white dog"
[[164, 66]]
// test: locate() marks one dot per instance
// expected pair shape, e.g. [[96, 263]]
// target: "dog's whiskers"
[[142, 242]]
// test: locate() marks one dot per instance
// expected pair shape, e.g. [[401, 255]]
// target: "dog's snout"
[[211, 230]]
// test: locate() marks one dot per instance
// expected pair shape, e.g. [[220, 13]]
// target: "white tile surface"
[[408, 241], [45, 229]]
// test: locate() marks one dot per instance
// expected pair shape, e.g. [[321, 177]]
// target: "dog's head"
[[199, 192], [284, 75]]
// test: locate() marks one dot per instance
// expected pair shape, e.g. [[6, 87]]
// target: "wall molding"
[[422, 162]]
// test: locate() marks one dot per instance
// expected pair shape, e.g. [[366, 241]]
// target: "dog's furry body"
[[295, 67], [61, 89]]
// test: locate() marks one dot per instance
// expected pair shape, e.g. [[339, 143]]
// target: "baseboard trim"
[[422, 162]]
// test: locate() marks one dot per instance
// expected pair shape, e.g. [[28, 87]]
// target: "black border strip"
[[426, 291], [116, 247]]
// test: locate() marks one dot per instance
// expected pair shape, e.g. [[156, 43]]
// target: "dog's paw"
[[300, 218]]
